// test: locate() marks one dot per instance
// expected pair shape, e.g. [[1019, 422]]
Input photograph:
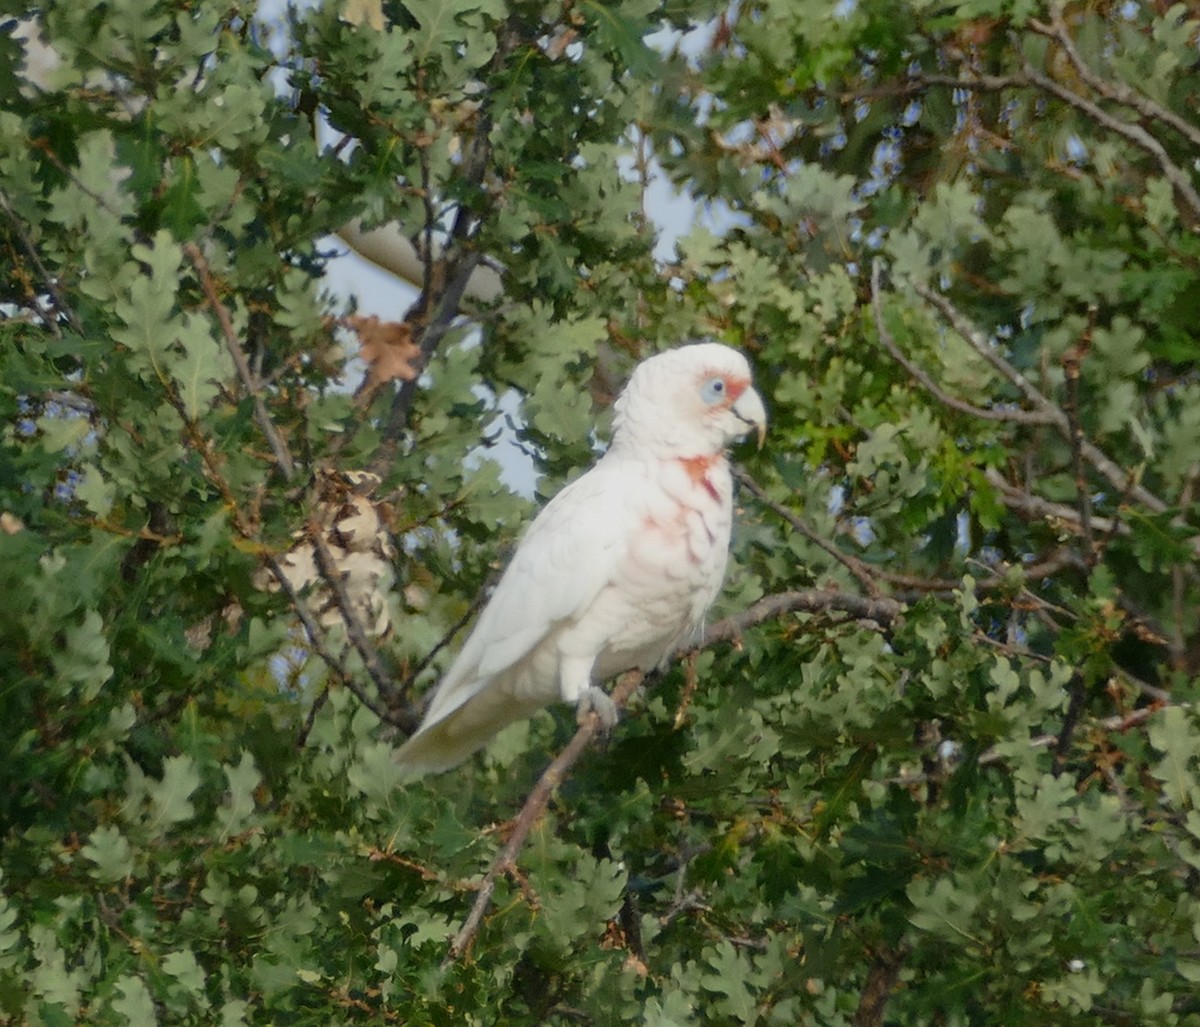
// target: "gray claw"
[[596, 700]]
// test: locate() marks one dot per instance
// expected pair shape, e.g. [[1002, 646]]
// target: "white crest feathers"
[[619, 567]]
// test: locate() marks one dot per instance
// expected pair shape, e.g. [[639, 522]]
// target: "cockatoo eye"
[[713, 391]]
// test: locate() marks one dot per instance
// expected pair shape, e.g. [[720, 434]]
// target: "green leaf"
[[201, 369], [111, 853], [238, 806], [942, 908], [170, 796], [182, 965], [134, 1002], [621, 28], [85, 659], [1173, 733]]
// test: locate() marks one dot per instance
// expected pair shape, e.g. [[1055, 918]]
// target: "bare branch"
[[1130, 131], [1114, 90], [1051, 413], [534, 806], [1035, 506], [252, 388], [1116, 723], [882, 978], [980, 344], [48, 281], [316, 639], [859, 568], [880, 611], [1045, 567], [920, 375], [1071, 367]]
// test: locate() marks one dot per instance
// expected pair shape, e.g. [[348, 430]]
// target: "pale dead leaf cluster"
[[354, 529]]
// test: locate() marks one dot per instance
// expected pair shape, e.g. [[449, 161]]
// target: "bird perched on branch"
[[617, 570]]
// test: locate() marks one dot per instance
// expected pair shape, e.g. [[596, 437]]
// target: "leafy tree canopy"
[[937, 760]]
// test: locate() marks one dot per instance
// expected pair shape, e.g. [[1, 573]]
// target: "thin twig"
[[534, 806], [1053, 414], [1071, 368], [1132, 132], [405, 720], [445, 284], [974, 338], [919, 374], [1117, 722], [860, 569], [311, 719], [1045, 567], [262, 416], [882, 978], [481, 597], [48, 281], [1035, 506], [880, 611], [1112, 89]]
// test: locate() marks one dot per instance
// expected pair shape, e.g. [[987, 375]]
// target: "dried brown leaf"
[[387, 347]]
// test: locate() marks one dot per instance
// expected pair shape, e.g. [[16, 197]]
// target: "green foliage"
[[984, 810]]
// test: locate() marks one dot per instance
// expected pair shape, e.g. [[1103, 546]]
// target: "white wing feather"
[[570, 553]]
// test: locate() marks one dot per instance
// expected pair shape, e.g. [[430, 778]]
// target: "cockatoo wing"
[[570, 553]]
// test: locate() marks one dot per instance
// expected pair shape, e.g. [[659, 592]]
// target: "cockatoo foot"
[[595, 700]]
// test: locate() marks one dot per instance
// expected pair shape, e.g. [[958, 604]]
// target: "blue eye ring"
[[713, 391]]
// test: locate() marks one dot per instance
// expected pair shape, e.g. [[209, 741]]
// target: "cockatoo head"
[[690, 401]]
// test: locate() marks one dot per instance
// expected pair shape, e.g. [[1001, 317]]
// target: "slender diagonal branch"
[[926, 381], [974, 338], [534, 807], [48, 281], [881, 611], [859, 568], [1051, 413], [1130, 131], [331, 659], [1071, 371], [251, 387], [1111, 89]]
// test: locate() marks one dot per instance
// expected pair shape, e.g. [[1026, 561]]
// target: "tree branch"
[[882, 977], [859, 568], [252, 388], [1114, 90], [920, 375], [405, 721], [534, 806], [1071, 369], [1132, 132], [1052, 413], [444, 287], [48, 281], [878, 610], [327, 565]]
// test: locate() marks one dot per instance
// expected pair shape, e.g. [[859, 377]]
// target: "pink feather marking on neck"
[[697, 470]]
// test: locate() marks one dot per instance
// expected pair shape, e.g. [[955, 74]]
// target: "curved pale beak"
[[750, 410]]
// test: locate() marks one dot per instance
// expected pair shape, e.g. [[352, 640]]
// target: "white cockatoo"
[[617, 570]]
